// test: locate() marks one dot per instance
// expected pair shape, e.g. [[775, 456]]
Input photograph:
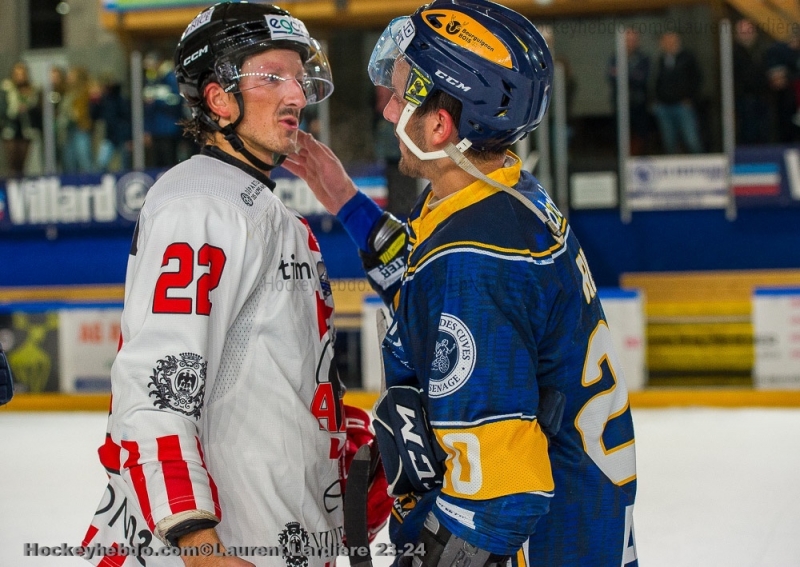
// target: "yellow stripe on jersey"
[[521, 562], [428, 219], [526, 252], [490, 460]]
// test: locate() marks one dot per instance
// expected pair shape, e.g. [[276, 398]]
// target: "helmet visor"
[[316, 81], [390, 46]]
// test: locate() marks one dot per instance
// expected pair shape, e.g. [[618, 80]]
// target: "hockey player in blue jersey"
[[505, 429]]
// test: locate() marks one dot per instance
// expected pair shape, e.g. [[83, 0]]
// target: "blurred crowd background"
[[673, 82]]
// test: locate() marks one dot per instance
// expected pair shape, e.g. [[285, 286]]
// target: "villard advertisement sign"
[[87, 201]]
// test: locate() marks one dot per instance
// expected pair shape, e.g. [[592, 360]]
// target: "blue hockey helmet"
[[487, 56]]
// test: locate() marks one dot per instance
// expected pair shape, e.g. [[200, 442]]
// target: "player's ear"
[[442, 127], [220, 103]]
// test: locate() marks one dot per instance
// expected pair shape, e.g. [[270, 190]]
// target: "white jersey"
[[226, 405]]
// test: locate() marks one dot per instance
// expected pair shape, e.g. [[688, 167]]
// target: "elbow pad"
[[386, 243]]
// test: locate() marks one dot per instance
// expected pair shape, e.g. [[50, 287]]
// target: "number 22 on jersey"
[[210, 256], [618, 462]]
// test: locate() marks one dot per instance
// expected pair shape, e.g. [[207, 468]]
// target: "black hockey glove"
[[440, 548]]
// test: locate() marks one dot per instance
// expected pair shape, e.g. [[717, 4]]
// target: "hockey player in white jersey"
[[227, 430]]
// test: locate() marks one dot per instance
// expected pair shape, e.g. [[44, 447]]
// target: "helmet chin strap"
[[456, 153], [229, 133]]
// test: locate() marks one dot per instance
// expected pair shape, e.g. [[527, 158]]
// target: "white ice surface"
[[717, 487]]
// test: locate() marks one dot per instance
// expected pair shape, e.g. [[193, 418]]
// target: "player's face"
[[271, 87], [409, 164]]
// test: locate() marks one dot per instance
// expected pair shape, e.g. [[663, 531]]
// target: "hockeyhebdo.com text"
[[205, 550], [308, 285], [681, 26]]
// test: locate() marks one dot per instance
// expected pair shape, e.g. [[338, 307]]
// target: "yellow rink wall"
[[655, 398]]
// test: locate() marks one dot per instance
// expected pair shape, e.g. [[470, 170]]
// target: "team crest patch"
[[294, 542], [179, 383], [454, 357]]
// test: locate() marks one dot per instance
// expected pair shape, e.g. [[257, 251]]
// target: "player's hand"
[[209, 537], [317, 165]]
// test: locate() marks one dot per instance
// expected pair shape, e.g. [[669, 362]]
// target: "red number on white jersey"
[[208, 255]]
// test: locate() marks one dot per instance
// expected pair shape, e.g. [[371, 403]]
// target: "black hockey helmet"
[[216, 43]]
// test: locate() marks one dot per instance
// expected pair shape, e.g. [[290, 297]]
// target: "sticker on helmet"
[[469, 34], [419, 85], [200, 20], [287, 27], [404, 35]]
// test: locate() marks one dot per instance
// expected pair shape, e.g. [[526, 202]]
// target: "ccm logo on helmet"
[[202, 51], [451, 81]]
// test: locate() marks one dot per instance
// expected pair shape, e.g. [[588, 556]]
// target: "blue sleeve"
[[358, 216], [479, 369]]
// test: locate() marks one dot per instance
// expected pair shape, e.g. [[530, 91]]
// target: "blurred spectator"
[[570, 86], [20, 117], [75, 122], [782, 61], [112, 111], [749, 85], [677, 88], [638, 79], [58, 88], [162, 111], [401, 190]]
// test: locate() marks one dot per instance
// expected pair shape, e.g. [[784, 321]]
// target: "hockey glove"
[[412, 457], [440, 548], [379, 503]]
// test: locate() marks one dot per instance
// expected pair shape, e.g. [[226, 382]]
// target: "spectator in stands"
[[677, 88], [75, 121], [750, 85], [162, 111], [20, 117], [638, 84], [782, 61], [113, 111], [58, 88]]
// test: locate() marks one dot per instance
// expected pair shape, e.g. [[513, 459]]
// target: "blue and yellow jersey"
[[493, 309]]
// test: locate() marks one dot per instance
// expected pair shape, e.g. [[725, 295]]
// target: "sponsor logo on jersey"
[[294, 542], [454, 357], [179, 384], [294, 270], [251, 192]]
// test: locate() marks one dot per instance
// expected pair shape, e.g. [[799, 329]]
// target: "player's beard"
[[409, 164], [275, 143]]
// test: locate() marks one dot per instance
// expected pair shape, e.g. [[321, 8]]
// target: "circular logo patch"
[[454, 357]]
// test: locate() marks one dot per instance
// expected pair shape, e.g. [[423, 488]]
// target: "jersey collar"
[[215, 152], [428, 219]]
